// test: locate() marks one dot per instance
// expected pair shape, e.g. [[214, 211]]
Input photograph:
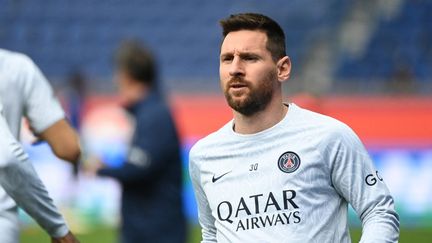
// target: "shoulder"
[[154, 117], [322, 126], [330, 137], [153, 105], [201, 148], [151, 112], [18, 67], [17, 59]]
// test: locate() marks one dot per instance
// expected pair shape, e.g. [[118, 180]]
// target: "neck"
[[262, 120], [134, 94]]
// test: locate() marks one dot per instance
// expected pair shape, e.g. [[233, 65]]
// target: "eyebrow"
[[241, 54], [249, 54], [224, 55]]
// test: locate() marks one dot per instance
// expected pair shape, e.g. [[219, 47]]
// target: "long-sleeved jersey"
[[289, 183], [19, 179]]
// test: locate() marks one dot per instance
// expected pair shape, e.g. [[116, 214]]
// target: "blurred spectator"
[[75, 98], [402, 80], [151, 176], [76, 95]]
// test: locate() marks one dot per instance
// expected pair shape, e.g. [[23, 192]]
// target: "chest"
[[260, 177]]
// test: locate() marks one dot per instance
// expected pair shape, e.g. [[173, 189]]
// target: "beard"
[[257, 97]]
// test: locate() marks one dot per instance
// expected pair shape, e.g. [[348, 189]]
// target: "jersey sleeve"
[[21, 182], [205, 217], [354, 177], [42, 108]]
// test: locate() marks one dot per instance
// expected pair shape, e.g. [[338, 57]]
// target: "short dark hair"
[[255, 21], [138, 61]]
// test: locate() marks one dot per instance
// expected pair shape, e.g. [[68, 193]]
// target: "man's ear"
[[284, 68]]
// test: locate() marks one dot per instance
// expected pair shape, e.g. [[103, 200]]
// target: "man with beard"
[[277, 172]]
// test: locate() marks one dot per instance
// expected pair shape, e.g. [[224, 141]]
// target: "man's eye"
[[226, 59], [250, 58]]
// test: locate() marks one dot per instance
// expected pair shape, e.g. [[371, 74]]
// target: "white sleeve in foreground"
[[356, 179], [42, 108], [205, 217], [21, 182]]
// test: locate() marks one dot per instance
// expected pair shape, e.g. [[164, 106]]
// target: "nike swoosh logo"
[[214, 179]]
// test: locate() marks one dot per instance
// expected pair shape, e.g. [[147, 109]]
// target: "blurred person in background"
[[76, 94], [25, 92], [151, 176], [278, 172]]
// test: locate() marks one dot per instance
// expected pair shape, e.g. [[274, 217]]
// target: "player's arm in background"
[[45, 114], [154, 143], [21, 182], [205, 217], [356, 179]]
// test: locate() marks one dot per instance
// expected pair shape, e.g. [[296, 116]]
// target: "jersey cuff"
[[59, 231]]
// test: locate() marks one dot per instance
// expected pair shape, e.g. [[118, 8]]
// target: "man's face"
[[124, 85], [247, 71]]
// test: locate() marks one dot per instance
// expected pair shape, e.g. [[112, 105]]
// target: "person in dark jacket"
[[151, 176]]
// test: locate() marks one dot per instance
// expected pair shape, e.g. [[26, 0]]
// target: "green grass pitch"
[[109, 235]]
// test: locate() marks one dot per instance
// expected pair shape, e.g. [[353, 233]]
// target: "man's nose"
[[236, 67]]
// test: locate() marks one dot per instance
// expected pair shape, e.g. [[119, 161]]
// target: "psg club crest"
[[289, 162]]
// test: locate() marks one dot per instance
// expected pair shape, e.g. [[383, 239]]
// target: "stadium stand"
[[63, 36], [399, 46]]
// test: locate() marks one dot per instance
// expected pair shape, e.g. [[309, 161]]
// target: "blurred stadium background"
[[365, 62]]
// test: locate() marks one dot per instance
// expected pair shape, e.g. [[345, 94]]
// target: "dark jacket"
[[151, 177]]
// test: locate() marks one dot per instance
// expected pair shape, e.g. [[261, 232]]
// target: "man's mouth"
[[238, 85]]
